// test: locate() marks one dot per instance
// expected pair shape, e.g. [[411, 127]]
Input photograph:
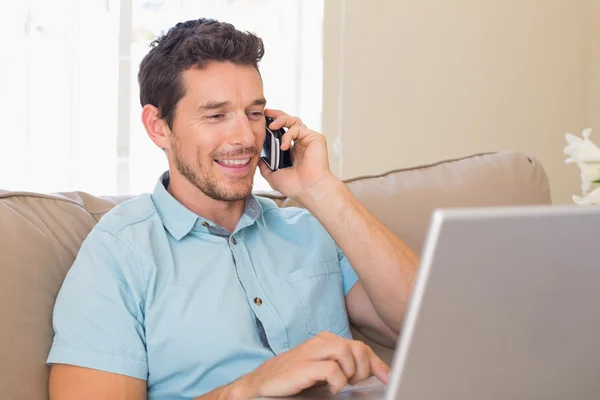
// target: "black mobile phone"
[[271, 153]]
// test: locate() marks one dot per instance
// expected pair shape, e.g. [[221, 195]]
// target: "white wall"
[[411, 82]]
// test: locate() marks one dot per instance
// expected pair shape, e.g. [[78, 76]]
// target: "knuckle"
[[359, 352], [360, 346], [343, 347], [323, 335], [313, 339], [331, 368], [359, 343], [314, 343], [317, 338], [321, 138], [370, 351]]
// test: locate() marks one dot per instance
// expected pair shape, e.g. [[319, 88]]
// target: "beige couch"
[[41, 234]]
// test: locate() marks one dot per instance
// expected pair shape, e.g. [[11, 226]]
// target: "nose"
[[241, 132]]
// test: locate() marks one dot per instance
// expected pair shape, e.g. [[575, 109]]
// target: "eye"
[[216, 116], [256, 114]]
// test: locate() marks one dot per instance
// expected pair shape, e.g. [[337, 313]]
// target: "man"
[[202, 289]]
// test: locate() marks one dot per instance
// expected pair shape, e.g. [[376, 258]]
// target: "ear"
[[156, 128]]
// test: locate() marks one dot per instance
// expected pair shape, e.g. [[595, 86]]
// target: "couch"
[[40, 235]]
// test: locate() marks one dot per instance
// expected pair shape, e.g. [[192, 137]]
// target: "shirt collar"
[[179, 220]]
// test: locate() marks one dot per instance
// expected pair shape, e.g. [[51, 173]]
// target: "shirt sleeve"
[[349, 276], [98, 315]]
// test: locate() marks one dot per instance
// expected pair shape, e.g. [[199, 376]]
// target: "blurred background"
[[69, 96], [391, 83]]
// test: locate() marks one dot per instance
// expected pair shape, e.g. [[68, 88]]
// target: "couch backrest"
[[41, 234], [404, 199]]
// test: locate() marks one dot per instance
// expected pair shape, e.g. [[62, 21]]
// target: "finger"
[[331, 372], [339, 350], [362, 359], [273, 113], [302, 133], [292, 134], [286, 121], [378, 367], [264, 170]]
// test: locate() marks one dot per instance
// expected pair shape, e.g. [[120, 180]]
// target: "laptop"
[[506, 305]]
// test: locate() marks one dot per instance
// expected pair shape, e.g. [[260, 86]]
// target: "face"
[[218, 130]]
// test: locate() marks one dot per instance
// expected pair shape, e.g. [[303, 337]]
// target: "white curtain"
[[68, 89]]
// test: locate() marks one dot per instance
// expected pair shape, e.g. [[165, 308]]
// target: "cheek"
[[204, 146], [193, 153], [260, 133]]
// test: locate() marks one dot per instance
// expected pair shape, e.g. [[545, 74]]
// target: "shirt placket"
[[258, 300]]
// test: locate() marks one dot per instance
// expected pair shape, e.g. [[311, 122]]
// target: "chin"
[[229, 192], [240, 190]]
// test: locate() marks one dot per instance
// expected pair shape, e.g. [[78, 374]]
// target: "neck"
[[224, 213]]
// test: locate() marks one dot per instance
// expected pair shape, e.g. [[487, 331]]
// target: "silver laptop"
[[506, 306]]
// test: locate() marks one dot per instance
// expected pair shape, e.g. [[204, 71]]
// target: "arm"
[[365, 318], [69, 382], [97, 315], [385, 264], [326, 358]]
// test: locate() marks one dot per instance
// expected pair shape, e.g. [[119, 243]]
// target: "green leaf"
[[598, 181]]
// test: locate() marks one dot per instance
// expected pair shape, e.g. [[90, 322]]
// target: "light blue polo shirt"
[[161, 294]]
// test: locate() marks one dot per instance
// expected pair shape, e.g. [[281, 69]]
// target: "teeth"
[[235, 162]]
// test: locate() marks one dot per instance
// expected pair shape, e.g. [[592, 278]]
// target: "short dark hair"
[[191, 44]]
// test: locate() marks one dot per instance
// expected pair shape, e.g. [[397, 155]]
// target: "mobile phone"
[[271, 153]]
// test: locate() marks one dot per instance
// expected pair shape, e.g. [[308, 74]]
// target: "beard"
[[209, 184]]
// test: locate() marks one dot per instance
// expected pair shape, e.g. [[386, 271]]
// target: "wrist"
[[242, 388], [326, 188]]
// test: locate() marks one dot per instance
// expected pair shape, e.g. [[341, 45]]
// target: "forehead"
[[223, 81]]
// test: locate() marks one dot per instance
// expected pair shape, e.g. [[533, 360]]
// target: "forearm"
[[384, 263], [220, 393], [239, 389]]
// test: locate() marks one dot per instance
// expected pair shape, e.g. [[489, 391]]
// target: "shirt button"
[[205, 224], [257, 301], [233, 240]]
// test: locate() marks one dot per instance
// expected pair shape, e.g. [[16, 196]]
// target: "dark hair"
[[191, 44]]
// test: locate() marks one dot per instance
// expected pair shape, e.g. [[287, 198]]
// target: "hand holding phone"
[[271, 153]]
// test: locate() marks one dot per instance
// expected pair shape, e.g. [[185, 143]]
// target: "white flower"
[[586, 155], [590, 173], [581, 150], [591, 199]]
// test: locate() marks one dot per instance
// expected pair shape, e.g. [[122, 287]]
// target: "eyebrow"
[[214, 105]]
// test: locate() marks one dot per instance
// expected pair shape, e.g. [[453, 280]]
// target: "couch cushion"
[[41, 234], [39, 238]]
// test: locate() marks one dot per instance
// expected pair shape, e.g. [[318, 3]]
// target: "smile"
[[241, 162]]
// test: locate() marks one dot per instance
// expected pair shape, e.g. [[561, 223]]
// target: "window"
[[69, 94]]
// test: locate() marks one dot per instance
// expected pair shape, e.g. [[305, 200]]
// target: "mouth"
[[234, 162]]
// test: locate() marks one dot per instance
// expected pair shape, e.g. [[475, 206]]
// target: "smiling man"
[[202, 289]]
